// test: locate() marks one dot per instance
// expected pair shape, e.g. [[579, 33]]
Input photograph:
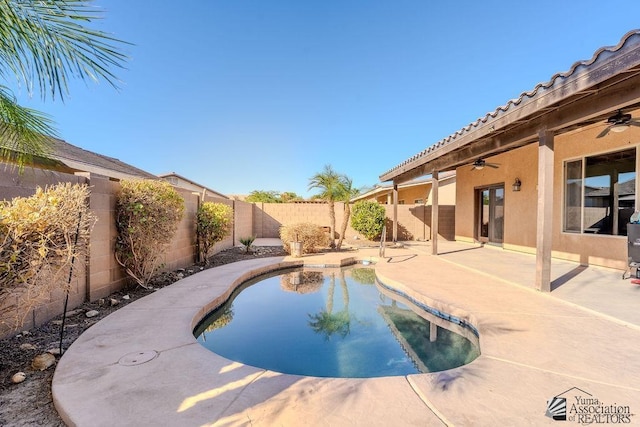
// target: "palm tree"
[[348, 192], [45, 44], [330, 184]]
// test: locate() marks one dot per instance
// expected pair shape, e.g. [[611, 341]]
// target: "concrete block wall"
[[243, 221], [269, 217], [105, 275], [414, 221]]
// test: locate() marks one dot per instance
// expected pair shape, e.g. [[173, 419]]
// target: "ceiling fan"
[[619, 122], [481, 163]]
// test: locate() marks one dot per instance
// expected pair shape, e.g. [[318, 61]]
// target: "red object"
[[635, 281]]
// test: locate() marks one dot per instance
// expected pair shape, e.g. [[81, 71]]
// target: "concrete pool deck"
[[142, 366]]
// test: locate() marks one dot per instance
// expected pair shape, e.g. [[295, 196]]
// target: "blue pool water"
[[333, 323]]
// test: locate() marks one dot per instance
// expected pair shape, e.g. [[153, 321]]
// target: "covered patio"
[[531, 144]]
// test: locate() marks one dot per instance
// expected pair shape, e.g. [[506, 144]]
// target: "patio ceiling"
[[586, 94]]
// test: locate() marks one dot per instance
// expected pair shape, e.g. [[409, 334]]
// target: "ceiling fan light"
[[619, 127]]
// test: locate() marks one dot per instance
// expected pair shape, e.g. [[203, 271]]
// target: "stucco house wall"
[[520, 208]]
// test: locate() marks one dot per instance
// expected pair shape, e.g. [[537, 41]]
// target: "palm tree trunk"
[[332, 218], [345, 222]]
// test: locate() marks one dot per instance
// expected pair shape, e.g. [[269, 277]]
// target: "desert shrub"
[[40, 236], [147, 215], [214, 222], [312, 236], [368, 218], [247, 242]]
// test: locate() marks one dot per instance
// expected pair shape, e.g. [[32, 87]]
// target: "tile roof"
[[632, 38]]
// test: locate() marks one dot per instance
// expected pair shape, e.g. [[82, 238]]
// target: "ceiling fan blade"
[[634, 122], [492, 165], [604, 132]]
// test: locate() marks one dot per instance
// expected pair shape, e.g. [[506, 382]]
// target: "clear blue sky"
[[249, 95]]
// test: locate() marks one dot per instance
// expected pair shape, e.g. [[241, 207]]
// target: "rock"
[[54, 351], [180, 276], [92, 313], [101, 301], [27, 346], [56, 322], [113, 301], [73, 312], [25, 333], [126, 297], [18, 377], [43, 361]]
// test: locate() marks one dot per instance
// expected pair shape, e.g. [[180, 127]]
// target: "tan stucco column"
[[434, 213], [545, 211], [395, 213]]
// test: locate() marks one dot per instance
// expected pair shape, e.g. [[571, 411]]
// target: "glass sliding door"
[[490, 214]]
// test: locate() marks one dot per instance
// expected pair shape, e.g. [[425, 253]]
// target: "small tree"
[[214, 222], [368, 218], [147, 216]]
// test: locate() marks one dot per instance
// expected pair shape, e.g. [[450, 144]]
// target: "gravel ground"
[[29, 403]]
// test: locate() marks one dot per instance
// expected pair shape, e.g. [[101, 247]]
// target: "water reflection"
[[333, 323], [326, 322]]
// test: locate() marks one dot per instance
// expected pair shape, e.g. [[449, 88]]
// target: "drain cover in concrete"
[[137, 358]]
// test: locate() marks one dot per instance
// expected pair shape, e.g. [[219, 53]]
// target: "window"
[[600, 193], [401, 202], [418, 201]]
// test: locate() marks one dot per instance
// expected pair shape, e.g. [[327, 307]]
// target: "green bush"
[[147, 215], [214, 223], [312, 236], [40, 236], [368, 218]]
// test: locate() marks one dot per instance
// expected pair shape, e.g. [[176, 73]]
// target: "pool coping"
[[117, 372]]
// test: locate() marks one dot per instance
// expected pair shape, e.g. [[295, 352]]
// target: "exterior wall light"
[[516, 185]]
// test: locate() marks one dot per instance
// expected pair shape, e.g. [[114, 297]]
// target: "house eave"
[[562, 104]]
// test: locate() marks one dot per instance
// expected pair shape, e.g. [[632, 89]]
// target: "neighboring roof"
[[517, 122], [68, 158], [209, 190], [624, 189], [379, 190], [81, 160]]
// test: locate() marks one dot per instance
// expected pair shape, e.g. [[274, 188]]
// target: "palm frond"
[[24, 133], [45, 42]]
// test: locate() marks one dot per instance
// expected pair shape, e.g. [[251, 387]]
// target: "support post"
[[395, 213], [545, 211], [435, 210]]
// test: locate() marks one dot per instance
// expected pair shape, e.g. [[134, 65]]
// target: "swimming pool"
[[333, 323]]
